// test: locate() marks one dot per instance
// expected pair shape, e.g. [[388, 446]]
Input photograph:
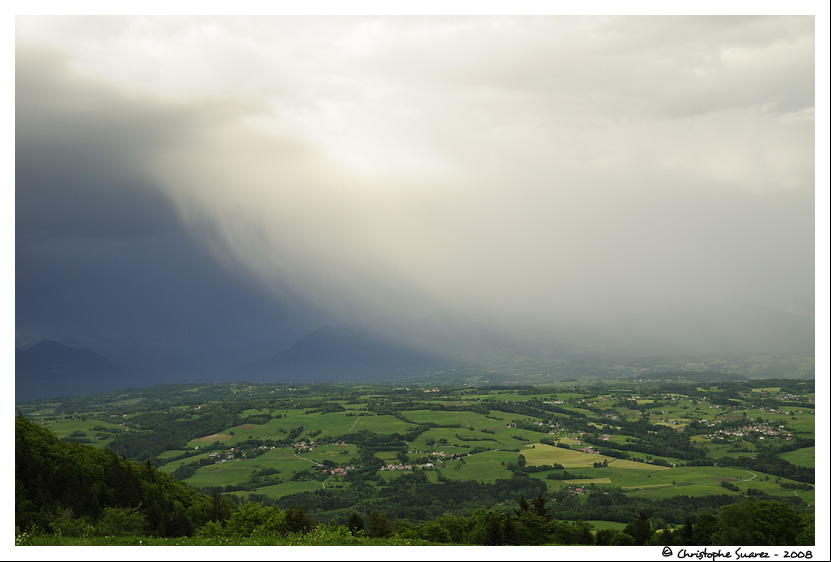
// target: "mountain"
[[50, 369], [342, 354]]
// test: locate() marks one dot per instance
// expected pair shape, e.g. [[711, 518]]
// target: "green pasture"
[[331, 425], [171, 453], [717, 450], [576, 409], [466, 419], [566, 396], [173, 465], [454, 444], [289, 487], [339, 454], [37, 411], [488, 466], [599, 525], [569, 458], [223, 474], [700, 486], [664, 491], [388, 456], [634, 465], [644, 458], [510, 396], [236, 471], [65, 427], [255, 412], [801, 457], [804, 424], [383, 425], [587, 481], [639, 477], [697, 481]]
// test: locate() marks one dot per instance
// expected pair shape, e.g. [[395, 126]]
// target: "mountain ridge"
[[51, 369], [342, 353]]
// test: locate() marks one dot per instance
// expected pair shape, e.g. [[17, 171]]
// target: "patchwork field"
[[458, 445]]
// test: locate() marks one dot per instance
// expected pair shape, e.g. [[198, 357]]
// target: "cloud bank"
[[642, 182]]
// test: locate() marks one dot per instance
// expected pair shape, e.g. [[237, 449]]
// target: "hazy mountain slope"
[[50, 369], [342, 354]]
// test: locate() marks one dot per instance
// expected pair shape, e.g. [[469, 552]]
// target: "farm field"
[[801, 457], [326, 446]]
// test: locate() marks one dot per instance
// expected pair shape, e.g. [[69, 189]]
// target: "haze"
[[216, 186]]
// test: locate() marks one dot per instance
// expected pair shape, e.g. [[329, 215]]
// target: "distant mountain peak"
[[51, 369], [344, 354]]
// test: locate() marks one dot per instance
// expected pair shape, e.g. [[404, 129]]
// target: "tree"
[[379, 525], [759, 523], [297, 521], [686, 533], [640, 529], [522, 505], [705, 527], [493, 531], [538, 506], [510, 534], [220, 509], [355, 523]]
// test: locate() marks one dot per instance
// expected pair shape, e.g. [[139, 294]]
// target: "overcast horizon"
[[223, 185]]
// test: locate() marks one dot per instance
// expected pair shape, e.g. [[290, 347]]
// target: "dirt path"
[[309, 460], [314, 462], [353, 424]]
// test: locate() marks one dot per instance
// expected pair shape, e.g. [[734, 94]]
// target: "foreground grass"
[[300, 540]]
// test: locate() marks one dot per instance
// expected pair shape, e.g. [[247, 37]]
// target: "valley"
[[671, 445]]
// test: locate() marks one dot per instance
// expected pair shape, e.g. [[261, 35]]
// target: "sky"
[[202, 190]]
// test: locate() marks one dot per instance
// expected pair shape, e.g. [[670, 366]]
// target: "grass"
[[65, 427], [599, 525], [322, 537], [236, 471], [569, 458], [483, 467], [586, 481], [290, 487], [801, 457], [331, 425]]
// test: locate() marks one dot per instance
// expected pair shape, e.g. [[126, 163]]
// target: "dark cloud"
[[639, 182], [101, 257]]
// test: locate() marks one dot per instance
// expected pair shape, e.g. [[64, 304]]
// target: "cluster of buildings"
[[303, 446], [750, 428], [339, 471], [398, 466], [222, 457]]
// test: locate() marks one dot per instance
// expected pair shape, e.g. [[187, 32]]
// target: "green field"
[[801, 457], [439, 442], [546, 454], [484, 467]]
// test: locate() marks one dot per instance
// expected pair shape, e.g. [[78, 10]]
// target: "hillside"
[[67, 487]]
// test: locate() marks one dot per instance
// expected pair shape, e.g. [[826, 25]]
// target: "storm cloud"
[[641, 182]]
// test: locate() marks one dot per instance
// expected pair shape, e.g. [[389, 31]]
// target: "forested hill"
[[61, 487]]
